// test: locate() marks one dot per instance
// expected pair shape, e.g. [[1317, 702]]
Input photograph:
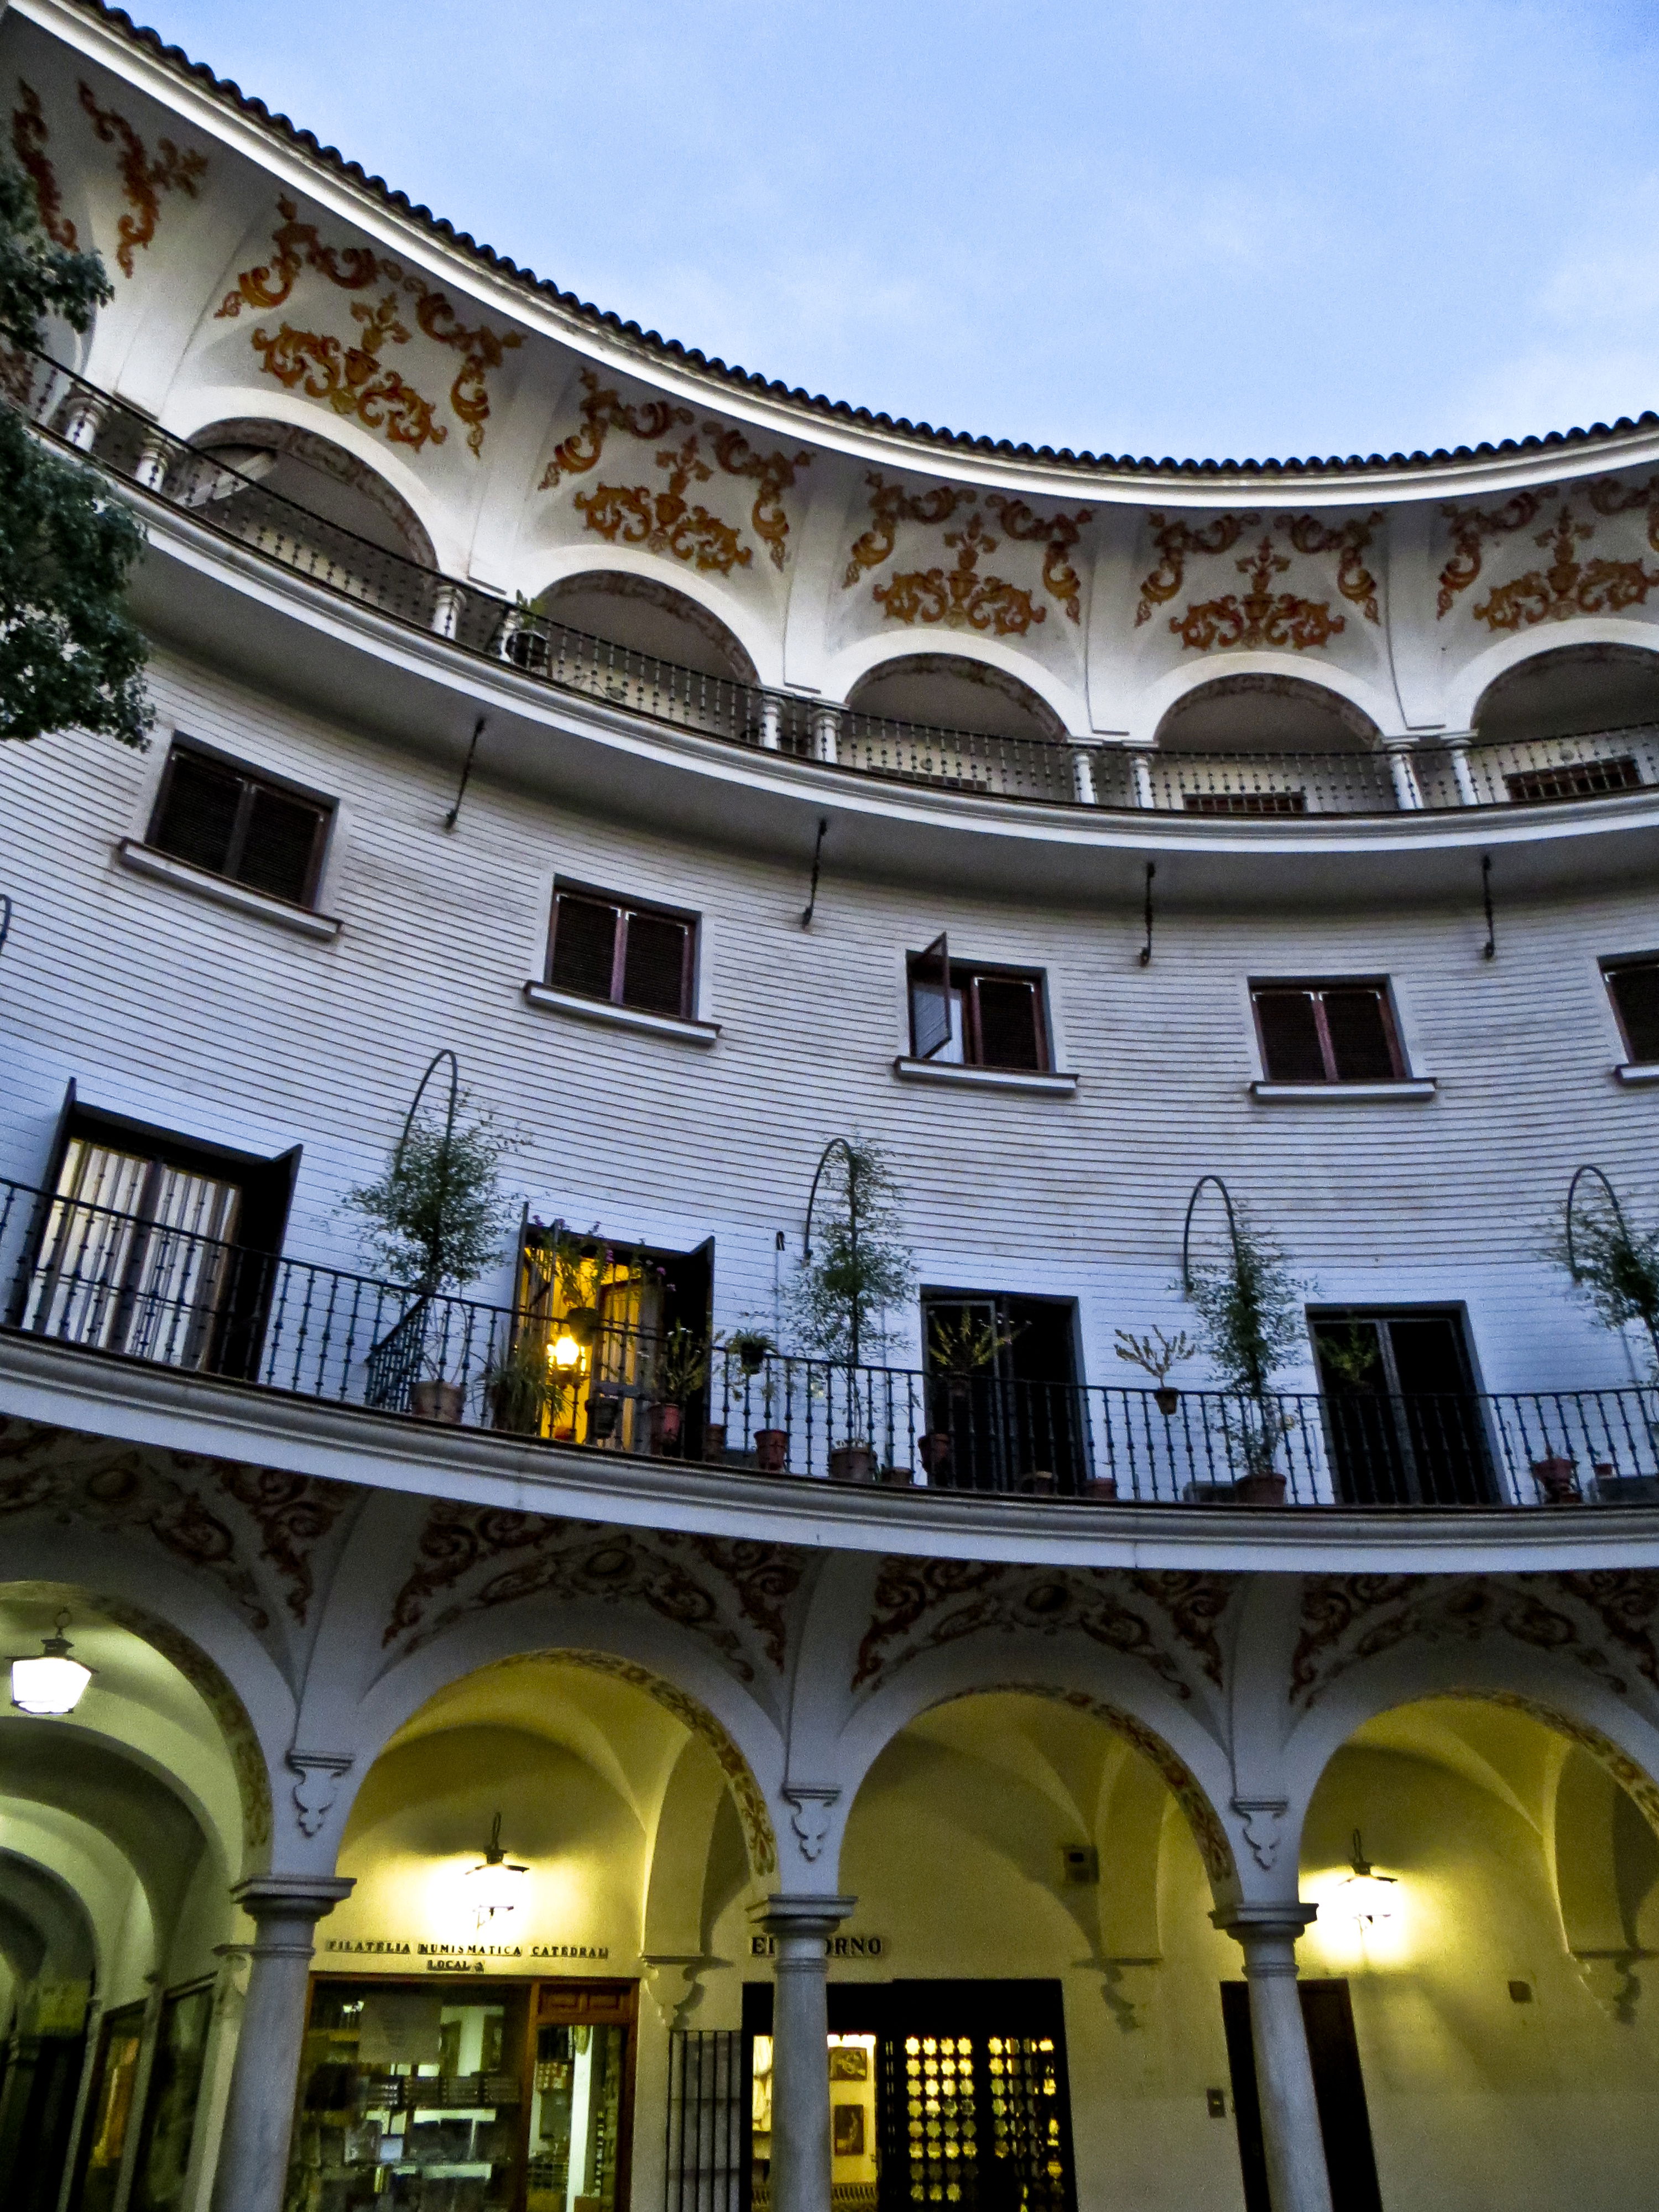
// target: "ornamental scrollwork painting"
[[1351, 540], [28, 141], [960, 598], [1609, 496], [354, 268], [353, 379], [1177, 543], [1568, 585], [142, 177], [602, 412], [1057, 535], [889, 505], [1260, 616], [773, 475], [666, 521], [1470, 529]]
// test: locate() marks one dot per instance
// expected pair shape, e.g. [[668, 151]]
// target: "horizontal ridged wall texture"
[[227, 1027]]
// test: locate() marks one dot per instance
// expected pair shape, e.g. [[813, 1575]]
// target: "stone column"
[[259, 2113], [826, 734], [447, 601], [1456, 745], [1296, 2179], [1083, 770], [154, 455], [85, 419], [800, 2063], [771, 722], [1140, 775], [1406, 796]]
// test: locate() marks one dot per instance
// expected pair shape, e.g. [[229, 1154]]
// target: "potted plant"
[[678, 1372], [846, 1284], [957, 1351], [522, 1385], [751, 1347], [1158, 1353], [1557, 1477], [605, 1410], [1250, 1309], [433, 1221], [1612, 1267]]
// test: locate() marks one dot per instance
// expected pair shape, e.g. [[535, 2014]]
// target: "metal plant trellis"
[[452, 1108], [1650, 1319], [1186, 1229], [394, 1363], [852, 1221]]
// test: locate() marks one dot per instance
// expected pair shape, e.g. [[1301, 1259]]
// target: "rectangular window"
[[608, 948], [1633, 987], [1591, 779], [976, 1017], [234, 822], [1336, 1032]]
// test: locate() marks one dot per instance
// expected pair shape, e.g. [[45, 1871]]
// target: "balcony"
[[1430, 777], [144, 1291]]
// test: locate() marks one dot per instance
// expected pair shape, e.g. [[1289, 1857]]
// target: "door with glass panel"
[[136, 1256], [1402, 1418]]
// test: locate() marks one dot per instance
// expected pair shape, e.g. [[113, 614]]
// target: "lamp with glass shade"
[[495, 1884], [1368, 1896], [51, 1685]]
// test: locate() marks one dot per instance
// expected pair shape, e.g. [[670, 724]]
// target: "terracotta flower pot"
[[852, 1463], [1259, 1490], [1038, 1482], [604, 1418], [1166, 1398], [437, 1401], [934, 1449], [1100, 1490], [665, 1422], [713, 1440], [771, 1450], [581, 1323], [1557, 1478], [896, 1478]]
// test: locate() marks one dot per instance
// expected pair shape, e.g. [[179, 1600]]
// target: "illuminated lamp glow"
[[1367, 1895], [566, 1353], [53, 1685], [494, 1884]]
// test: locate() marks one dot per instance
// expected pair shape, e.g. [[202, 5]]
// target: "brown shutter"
[[654, 963], [1635, 994], [1009, 1023], [1362, 1046], [584, 945], [1290, 1051], [930, 999], [195, 819], [279, 852]]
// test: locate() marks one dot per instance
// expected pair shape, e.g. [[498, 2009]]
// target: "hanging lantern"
[[495, 1884], [1368, 1896], [53, 1684]]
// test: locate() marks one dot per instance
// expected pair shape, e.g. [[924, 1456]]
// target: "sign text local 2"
[[834, 1946]]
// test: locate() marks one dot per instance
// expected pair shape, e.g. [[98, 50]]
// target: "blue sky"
[[1187, 226]]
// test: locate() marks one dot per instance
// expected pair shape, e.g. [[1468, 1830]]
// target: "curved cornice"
[[220, 107]]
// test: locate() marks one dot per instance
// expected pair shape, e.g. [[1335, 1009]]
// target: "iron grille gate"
[[708, 2121]]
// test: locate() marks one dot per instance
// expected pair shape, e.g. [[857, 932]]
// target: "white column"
[[771, 722], [151, 469], [512, 624], [1082, 771], [826, 733], [285, 1909], [1296, 2179], [85, 419], [1140, 773], [1456, 744], [800, 2063], [1406, 796], [446, 603]]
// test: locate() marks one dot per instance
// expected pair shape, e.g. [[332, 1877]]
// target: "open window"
[[1004, 1409], [964, 1014], [1403, 1417], [230, 820], [1336, 1032], [151, 1244], [602, 946], [1633, 987]]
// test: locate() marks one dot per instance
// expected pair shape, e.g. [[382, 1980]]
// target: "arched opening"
[[1264, 715], [123, 1823], [949, 691], [317, 477], [1038, 1869], [1576, 690], [546, 1840], [639, 615], [1488, 1891]]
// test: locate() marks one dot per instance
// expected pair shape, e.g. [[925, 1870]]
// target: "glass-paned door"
[[1004, 1410], [135, 1257], [1401, 1414], [580, 2097], [109, 2109]]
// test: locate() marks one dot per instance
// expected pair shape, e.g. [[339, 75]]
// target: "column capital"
[[1267, 1933], [814, 1917], [292, 1896]]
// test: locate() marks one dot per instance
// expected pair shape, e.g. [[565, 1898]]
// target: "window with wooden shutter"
[[232, 821], [962, 1013], [1327, 1032], [609, 948], [1633, 986]]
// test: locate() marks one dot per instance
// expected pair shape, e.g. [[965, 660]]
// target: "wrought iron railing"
[[121, 1285], [1430, 775]]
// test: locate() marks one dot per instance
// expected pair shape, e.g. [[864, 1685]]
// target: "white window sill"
[[953, 1071], [144, 860], [1343, 1094], [1638, 1071], [611, 1016]]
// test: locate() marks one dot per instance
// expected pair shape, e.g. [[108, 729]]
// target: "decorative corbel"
[[675, 1981], [318, 1777], [1261, 1817], [809, 1816]]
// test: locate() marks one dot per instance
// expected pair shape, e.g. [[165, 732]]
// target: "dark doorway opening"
[[1402, 1413], [1004, 1409], [1339, 2087]]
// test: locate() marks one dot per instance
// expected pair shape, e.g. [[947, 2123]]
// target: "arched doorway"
[[1269, 745]]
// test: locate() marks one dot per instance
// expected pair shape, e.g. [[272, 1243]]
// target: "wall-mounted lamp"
[[1366, 1895], [566, 1353], [53, 1685], [494, 1885]]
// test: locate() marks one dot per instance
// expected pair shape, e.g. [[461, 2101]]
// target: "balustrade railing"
[[1265, 785], [120, 1284]]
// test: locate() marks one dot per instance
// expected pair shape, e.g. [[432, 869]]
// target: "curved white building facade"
[[633, 729]]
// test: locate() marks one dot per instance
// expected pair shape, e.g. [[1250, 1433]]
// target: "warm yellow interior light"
[[495, 1884], [566, 1353], [53, 1684], [1367, 1895]]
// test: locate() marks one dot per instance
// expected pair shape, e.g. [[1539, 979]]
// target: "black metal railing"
[[1278, 786], [141, 1290]]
